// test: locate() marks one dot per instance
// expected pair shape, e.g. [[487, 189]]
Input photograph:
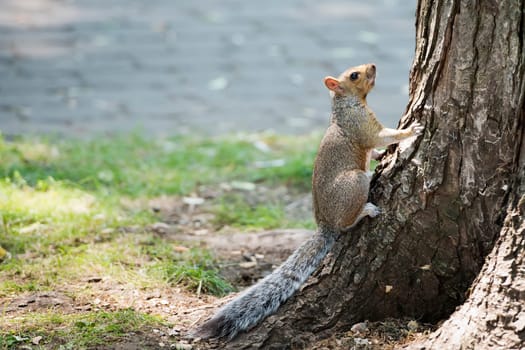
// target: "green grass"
[[237, 212], [135, 166], [195, 268], [77, 331], [57, 195], [65, 212]]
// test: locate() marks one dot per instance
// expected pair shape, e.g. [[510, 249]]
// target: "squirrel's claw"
[[417, 128], [371, 210]]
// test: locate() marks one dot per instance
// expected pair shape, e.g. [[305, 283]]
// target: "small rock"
[[193, 200], [360, 327], [248, 257], [361, 341], [388, 289], [182, 346], [201, 232], [154, 295], [412, 326], [174, 332], [248, 264], [160, 227]]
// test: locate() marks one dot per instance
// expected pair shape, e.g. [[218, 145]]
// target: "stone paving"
[[165, 67]]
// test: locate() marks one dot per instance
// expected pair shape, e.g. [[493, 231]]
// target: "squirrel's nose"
[[373, 66]]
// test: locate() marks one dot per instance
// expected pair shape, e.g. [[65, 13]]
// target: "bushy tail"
[[264, 298]]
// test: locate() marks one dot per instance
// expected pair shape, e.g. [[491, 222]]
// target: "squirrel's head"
[[355, 81]]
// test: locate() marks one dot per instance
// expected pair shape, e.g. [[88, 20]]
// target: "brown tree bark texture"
[[444, 197], [493, 317]]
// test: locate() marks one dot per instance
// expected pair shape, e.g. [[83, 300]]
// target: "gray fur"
[[263, 299]]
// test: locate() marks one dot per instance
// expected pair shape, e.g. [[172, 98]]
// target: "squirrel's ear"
[[333, 85]]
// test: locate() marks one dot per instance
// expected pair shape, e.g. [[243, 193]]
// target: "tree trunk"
[[493, 315], [444, 198]]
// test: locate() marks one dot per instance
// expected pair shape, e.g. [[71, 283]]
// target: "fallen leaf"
[[36, 340], [181, 249], [3, 254], [360, 327]]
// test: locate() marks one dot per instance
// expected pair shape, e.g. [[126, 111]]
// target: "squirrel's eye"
[[354, 76]]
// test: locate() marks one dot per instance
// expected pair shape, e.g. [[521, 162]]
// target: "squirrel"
[[340, 186]]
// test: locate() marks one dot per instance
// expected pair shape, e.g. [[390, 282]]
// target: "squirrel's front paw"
[[416, 128], [377, 154]]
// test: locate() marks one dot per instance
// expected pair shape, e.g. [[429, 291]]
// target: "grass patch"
[[193, 268], [237, 212], [67, 208], [60, 198], [135, 166], [76, 331]]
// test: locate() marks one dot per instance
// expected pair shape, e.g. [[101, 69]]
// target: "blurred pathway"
[[169, 66]]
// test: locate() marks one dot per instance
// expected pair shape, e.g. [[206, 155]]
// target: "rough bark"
[[493, 316], [444, 198]]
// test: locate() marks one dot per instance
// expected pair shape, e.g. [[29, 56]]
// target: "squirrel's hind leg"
[[369, 209]]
